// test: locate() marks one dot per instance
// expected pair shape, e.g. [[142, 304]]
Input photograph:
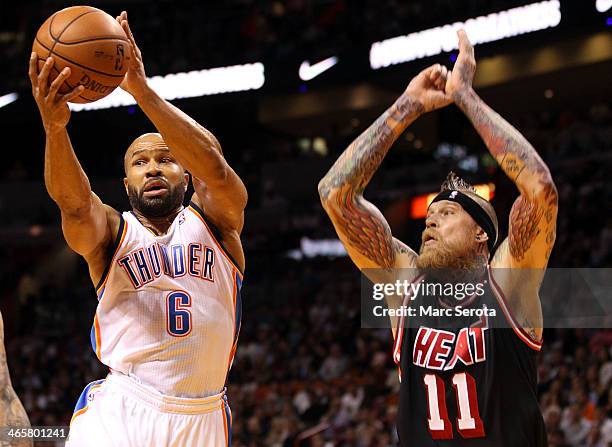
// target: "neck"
[[159, 225]]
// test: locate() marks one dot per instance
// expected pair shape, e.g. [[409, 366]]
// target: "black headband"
[[473, 209]]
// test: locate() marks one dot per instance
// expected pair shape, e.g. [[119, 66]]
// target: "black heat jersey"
[[468, 381]]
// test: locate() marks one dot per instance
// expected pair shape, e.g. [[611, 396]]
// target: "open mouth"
[[155, 188], [429, 239]]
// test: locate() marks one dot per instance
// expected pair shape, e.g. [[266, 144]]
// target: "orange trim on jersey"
[[225, 424], [235, 344], [219, 246], [78, 413], [84, 409], [110, 265], [98, 336], [518, 329]]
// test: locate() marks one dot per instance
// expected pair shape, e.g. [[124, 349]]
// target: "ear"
[[186, 180], [125, 184], [481, 236]]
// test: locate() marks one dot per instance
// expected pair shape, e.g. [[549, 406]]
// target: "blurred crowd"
[[185, 35], [306, 374]]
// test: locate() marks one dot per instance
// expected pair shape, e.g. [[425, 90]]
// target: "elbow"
[[327, 193], [547, 192], [323, 190], [75, 208]]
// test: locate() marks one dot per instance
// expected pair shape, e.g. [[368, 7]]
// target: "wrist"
[[460, 97], [410, 105], [144, 93], [53, 130]]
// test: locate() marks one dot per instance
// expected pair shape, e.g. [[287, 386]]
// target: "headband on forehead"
[[474, 210]]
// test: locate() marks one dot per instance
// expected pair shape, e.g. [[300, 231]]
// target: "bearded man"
[[471, 382], [167, 277]]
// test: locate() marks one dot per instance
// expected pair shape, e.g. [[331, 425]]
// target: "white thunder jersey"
[[169, 307]]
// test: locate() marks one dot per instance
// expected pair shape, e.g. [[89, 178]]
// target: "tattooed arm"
[[360, 225], [12, 413], [533, 216]]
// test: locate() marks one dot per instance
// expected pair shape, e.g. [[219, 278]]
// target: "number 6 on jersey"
[[178, 315]]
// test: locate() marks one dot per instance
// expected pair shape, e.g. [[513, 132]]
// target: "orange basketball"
[[91, 43]]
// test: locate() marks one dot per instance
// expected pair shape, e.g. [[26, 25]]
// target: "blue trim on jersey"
[[228, 418], [238, 308], [82, 402], [92, 338]]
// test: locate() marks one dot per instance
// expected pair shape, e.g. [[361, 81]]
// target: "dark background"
[[302, 360]]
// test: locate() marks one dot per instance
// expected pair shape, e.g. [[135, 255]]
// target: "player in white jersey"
[[168, 277]]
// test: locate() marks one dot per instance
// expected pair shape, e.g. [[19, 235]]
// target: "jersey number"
[[178, 315], [469, 424]]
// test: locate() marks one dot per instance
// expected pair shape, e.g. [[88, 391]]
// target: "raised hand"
[[135, 81], [428, 88], [53, 106], [462, 76]]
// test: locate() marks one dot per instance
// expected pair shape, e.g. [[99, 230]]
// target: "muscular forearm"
[[361, 159], [195, 147], [516, 156], [65, 180]]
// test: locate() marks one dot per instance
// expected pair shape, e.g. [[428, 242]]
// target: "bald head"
[[147, 141], [154, 179]]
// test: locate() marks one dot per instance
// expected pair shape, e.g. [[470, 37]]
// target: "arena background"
[[305, 373]]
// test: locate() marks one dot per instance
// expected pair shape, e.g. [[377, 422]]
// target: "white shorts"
[[119, 412]]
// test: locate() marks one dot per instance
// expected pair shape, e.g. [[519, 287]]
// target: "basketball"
[[91, 43]]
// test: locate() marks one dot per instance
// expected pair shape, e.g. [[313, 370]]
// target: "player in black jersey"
[[465, 380]]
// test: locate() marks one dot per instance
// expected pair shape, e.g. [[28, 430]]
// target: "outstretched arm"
[[533, 217], [360, 225], [87, 223], [220, 191], [523, 255]]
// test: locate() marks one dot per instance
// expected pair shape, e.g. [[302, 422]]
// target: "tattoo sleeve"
[[534, 212], [12, 413], [360, 223]]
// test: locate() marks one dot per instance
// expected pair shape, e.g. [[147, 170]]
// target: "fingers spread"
[[57, 83], [72, 94], [33, 68], [43, 76]]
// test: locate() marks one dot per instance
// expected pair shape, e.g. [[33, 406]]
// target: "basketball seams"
[[68, 83], [76, 63], [93, 39], [56, 39], [110, 39]]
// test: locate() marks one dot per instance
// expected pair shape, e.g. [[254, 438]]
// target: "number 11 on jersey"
[[469, 424]]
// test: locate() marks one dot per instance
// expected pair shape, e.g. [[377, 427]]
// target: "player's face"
[[155, 181], [449, 238]]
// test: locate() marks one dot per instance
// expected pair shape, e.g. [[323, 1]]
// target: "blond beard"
[[443, 262]]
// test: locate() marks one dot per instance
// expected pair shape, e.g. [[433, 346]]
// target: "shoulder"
[[114, 218], [228, 239]]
